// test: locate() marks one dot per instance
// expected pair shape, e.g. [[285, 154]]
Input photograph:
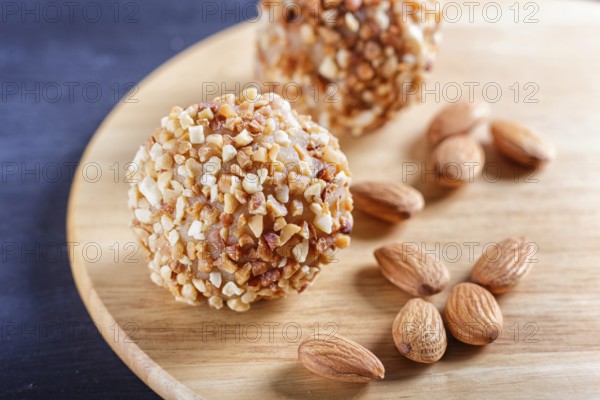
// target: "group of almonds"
[[472, 314], [458, 158]]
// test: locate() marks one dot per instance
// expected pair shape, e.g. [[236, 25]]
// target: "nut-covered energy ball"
[[351, 64], [239, 199]]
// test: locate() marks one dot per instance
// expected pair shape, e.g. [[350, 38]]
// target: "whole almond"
[[455, 119], [388, 201], [501, 269], [412, 270], [419, 332], [473, 315], [521, 144], [457, 160], [340, 359]]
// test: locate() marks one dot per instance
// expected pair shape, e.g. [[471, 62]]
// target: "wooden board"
[[550, 346]]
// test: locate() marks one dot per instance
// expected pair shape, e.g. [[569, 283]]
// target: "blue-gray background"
[[63, 67]]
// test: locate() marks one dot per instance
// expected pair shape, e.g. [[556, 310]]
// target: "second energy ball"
[[350, 64]]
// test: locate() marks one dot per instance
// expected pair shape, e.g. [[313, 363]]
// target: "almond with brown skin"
[[340, 359], [473, 315], [419, 332], [457, 160], [388, 201], [501, 268], [455, 119], [412, 270], [521, 144]]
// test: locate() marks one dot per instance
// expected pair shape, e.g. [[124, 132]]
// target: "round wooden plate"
[[547, 72]]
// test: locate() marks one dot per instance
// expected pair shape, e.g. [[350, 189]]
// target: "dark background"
[[62, 69]]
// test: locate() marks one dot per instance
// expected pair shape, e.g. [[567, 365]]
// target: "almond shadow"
[[499, 168], [368, 227], [294, 376], [381, 294], [458, 350]]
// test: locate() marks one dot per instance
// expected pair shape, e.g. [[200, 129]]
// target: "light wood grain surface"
[[550, 347]]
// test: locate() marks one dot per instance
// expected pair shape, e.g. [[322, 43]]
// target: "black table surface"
[[63, 67]]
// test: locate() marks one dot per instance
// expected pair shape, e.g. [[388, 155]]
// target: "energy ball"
[[350, 64], [239, 199]]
